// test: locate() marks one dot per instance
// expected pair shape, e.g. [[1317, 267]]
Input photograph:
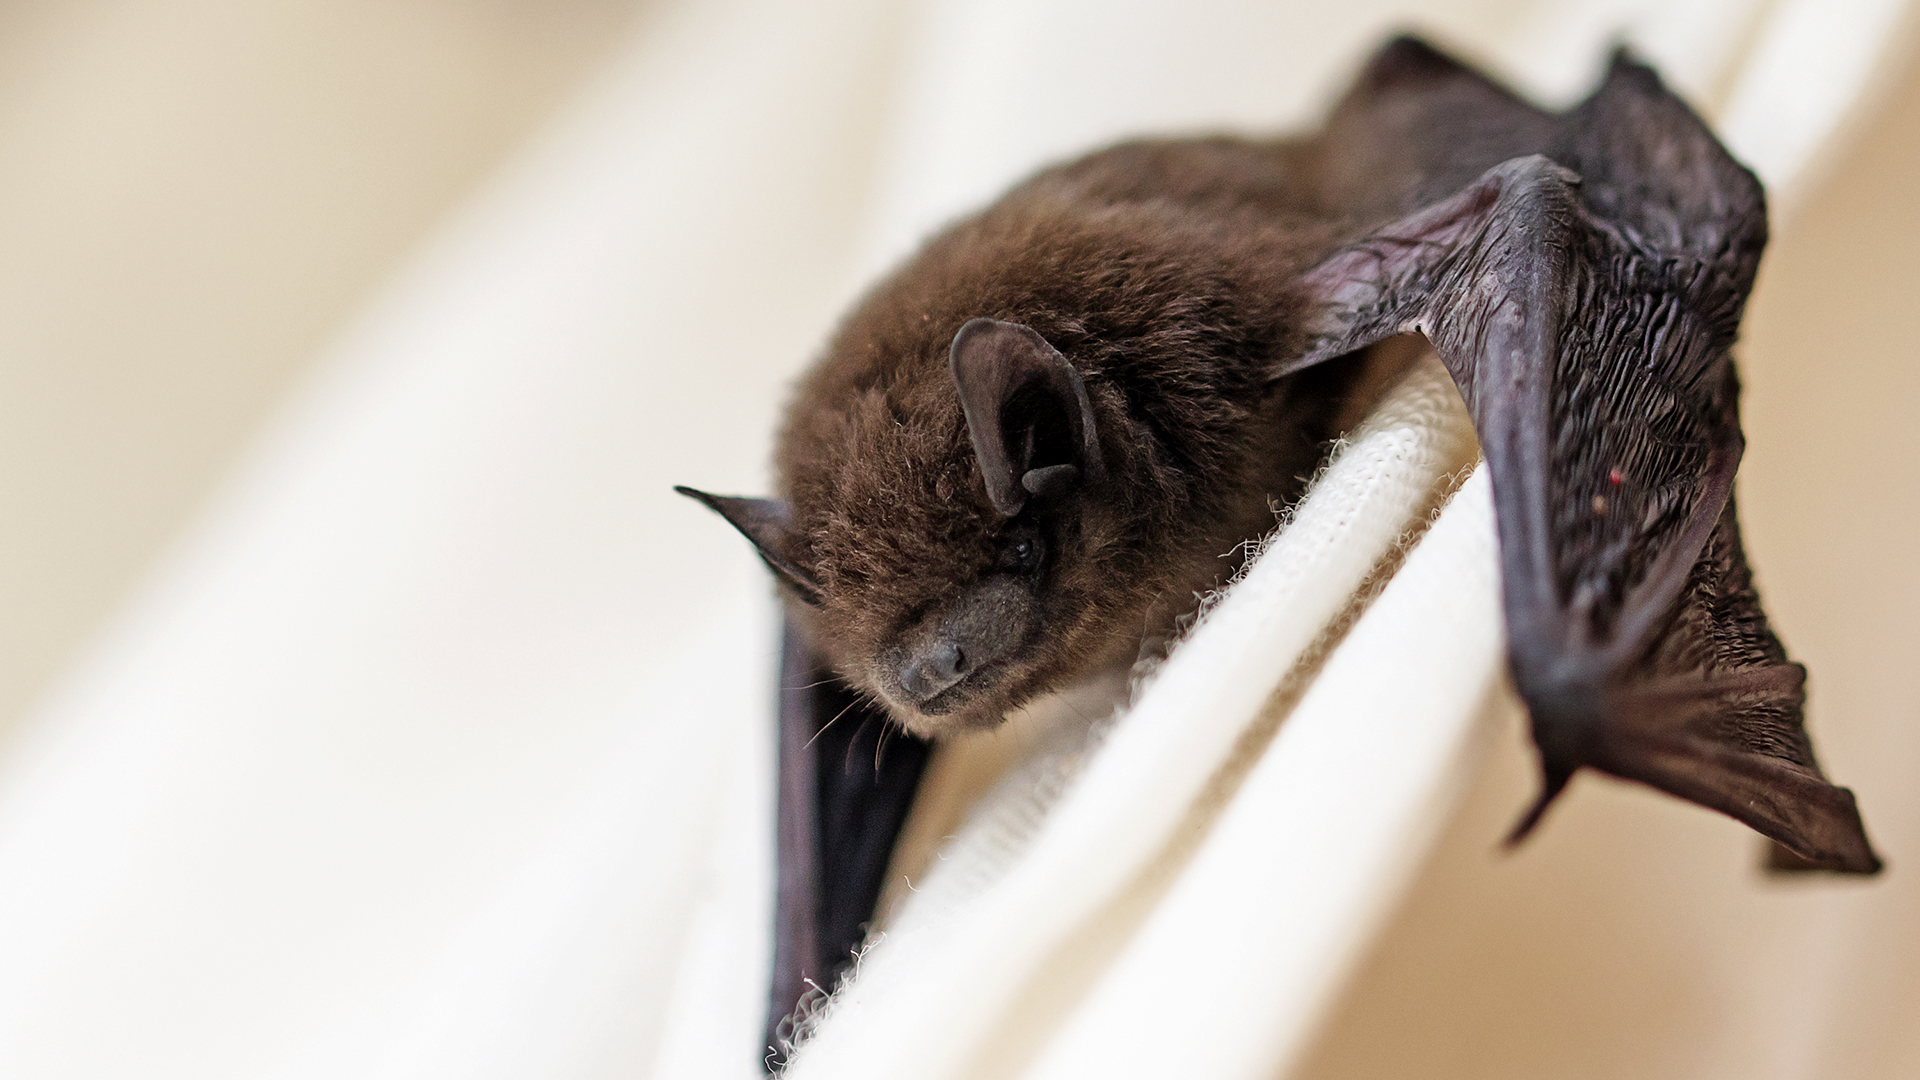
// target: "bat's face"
[[949, 614], [963, 536], [944, 542]]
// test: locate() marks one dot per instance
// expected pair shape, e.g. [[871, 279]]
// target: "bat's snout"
[[931, 671], [951, 664]]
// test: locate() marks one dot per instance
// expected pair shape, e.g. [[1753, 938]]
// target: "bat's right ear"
[[1027, 411], [766, 522]]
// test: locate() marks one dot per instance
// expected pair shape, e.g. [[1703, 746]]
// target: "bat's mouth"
[[975, 703], [961, 694]]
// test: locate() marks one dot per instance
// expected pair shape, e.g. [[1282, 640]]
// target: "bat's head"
[[942, 540]]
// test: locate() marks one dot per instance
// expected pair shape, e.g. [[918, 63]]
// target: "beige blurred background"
[[194, 194]]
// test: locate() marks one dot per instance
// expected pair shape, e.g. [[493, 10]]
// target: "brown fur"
[[1161, 271]]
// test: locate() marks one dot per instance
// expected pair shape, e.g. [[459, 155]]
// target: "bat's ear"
[[1027, 413], [767, 523]]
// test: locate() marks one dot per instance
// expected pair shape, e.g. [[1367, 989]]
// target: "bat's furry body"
[[1168, 286], [1031, 444]]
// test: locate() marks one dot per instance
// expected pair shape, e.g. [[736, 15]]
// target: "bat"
[[1026, 448]]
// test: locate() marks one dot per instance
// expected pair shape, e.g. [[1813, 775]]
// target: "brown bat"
[[1029, 445]]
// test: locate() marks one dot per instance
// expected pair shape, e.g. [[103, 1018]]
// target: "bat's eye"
[[1021, 552]]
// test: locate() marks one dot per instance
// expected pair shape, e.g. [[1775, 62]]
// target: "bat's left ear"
[[1027, 413], [765, 522]]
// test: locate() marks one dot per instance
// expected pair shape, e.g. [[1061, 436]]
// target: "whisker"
[[846, 766], [830, 723]]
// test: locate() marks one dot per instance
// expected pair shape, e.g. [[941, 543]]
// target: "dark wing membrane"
[[847, 780], [1415, 127], [1585, 298]]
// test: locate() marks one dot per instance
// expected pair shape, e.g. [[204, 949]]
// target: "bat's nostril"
[[938, 668], [947, 662]]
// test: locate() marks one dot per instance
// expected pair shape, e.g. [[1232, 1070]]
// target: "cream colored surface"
[[438, 749], [194, 194]]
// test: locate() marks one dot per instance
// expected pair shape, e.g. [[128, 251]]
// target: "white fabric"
[[440, 749], [1362, 772]]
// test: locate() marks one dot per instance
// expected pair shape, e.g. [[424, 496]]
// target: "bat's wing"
[[1585, 298], [847, 779]]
